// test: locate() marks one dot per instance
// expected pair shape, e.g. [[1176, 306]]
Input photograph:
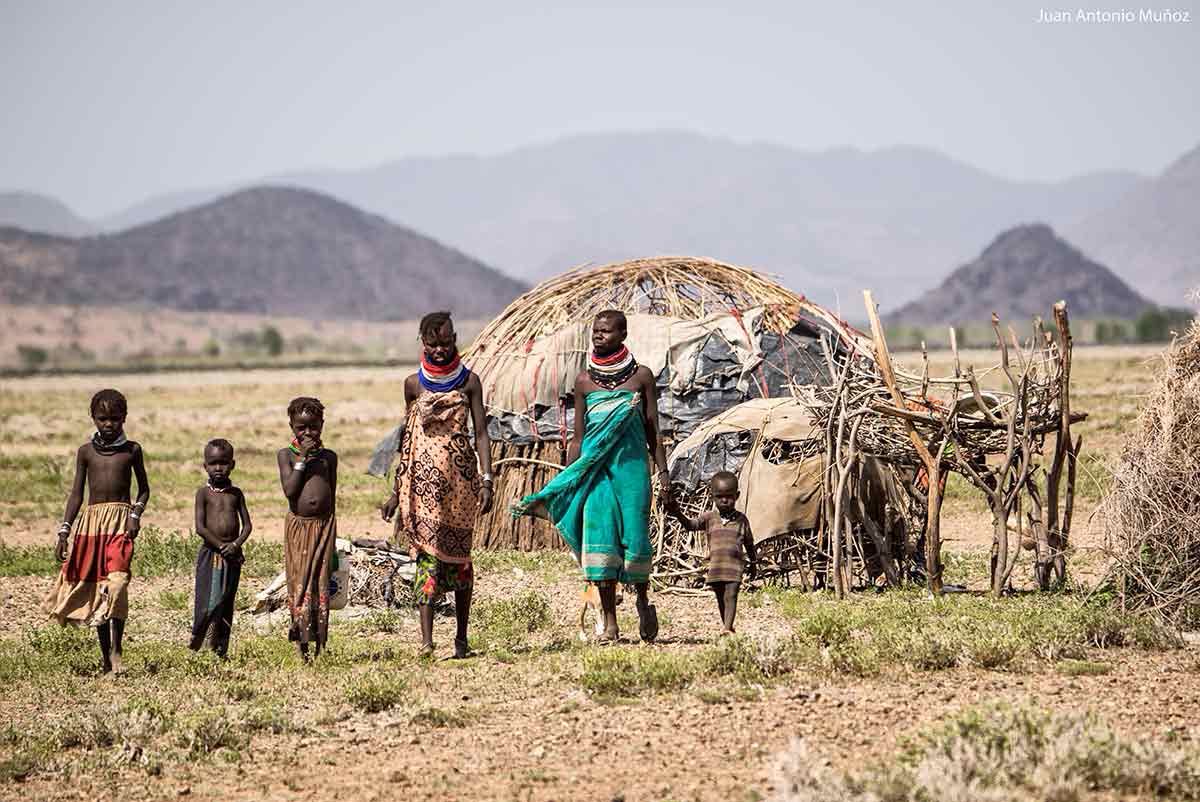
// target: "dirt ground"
[[526, 728]]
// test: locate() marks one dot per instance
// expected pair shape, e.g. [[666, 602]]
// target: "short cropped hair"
[[219, 443], [433, 322], [616, 316], [724, 477], [305, 404], [113, 399]]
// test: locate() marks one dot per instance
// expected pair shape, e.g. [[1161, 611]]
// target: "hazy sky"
[[108, 102]]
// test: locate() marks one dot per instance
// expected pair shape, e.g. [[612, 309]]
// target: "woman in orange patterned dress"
[[442, 482]]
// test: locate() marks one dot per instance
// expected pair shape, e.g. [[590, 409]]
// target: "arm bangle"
[[135, 516], [299, 466]]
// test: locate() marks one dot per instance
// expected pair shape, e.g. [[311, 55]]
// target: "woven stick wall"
[[688, 288]]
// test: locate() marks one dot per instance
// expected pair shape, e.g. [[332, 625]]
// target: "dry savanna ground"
[[877, 697]]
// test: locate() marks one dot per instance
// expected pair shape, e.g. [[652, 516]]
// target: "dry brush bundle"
[[926, 427], [1152, 513]]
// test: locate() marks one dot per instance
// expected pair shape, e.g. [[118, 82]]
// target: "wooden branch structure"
[[925, 428]]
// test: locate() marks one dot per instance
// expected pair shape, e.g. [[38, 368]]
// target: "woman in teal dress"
[[601, 501]]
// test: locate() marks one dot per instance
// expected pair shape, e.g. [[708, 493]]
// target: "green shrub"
[[617, 671], [205, 732], [505, 624], [374, 694], [436, 718], [750, 660]]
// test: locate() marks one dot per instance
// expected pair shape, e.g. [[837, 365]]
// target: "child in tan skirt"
[[308, 474], [730, 542], [92, 589]]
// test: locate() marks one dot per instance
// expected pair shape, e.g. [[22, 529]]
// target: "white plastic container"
[[339, 583]]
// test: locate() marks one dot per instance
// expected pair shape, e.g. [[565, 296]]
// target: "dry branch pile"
[[928, 426], [1152, 513]]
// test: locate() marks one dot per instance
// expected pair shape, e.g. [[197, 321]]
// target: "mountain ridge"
[[266, 250], [827, 222], [33, 211], [1152, 231], [1020, 274]]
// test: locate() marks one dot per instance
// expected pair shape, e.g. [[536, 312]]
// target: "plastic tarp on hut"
[[702, 367], [775, 450]]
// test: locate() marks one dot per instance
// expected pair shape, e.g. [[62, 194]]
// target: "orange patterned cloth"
[[437, 478]]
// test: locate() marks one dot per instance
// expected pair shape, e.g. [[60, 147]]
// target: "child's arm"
[[202, 520], [74, 502], [290, 479], [690, 524], [244, 515], [134, 524], [748, 545], [483, 443]]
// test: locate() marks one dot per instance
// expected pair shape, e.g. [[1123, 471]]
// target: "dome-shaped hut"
[[714, 334]]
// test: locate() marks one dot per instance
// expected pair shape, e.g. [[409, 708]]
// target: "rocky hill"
[[829, 223], [267, 250], [1152, 234], [1019, 275], [34, 212]]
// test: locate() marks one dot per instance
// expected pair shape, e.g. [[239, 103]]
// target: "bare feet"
[[116, 663], [462, 649], [609, 635], [106, 666], [426, 650], [647, 621]]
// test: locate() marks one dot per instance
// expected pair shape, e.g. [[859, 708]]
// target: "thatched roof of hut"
[[530, 354]]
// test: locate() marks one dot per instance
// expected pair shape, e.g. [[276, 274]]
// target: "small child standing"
[[730, 541], [93, 587], [308, 474], [223, 523]]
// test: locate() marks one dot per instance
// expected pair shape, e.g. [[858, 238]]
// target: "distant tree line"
[[1156, 324]]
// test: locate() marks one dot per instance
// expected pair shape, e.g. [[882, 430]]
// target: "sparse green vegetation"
[[909, 628], [374, 694], [620, 671], [32, 357], [506, 624]]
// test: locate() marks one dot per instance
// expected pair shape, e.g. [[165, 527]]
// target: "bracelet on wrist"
[[299, 465]]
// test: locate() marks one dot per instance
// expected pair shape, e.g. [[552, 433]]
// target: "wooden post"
[[933, 542]]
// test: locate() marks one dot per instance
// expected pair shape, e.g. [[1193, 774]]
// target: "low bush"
[[1001, 753], [374, 694]]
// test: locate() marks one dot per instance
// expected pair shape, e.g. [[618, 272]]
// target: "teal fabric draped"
[[601, 501]]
